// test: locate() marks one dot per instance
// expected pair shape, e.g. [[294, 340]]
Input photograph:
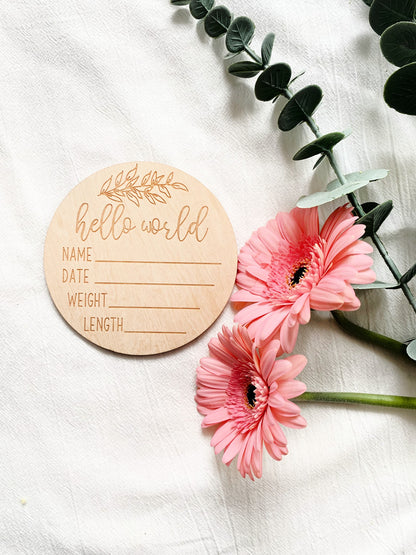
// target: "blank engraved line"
[[159, 262], [153, 283], [164, 332], [159, 307]]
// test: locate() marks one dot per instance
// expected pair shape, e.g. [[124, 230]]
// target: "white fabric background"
[[107, 450]]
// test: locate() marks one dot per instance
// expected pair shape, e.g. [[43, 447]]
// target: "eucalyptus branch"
[[274, 81]]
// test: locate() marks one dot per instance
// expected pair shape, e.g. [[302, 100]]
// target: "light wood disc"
[[140, 258]]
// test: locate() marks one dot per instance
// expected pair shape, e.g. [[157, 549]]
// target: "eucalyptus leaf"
[[266, 48], [245, 69], [336, 190], [398, 43], [230, 55], [301, 106], [200, 8], [297, 76], [410, 274], [180, 2], [368, 2], [322, 197], [368, 206], [384, 13], [400, 90], [411, 350], [375, 217], [321, 159], [376, 285], [358, 177], [217, 21], [272, 82], [239, 34], [322, 145]]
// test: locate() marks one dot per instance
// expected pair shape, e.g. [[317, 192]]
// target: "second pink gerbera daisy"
[[245, 392], [289, 267]]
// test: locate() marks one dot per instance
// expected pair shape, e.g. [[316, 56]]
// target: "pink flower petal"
[[223, 436], [297, 363], [215, 417], [292, 388], [322, 299], [243, 296], [308, 220], [367, 276], [267, 327], [252, 312], [280, 370], [274, 451], [258, 273], [268, 358], [288, 227], [233, 449], [288, 335], [330, 230], [296, 422]]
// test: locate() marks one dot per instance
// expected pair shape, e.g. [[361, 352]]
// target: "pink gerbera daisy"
[[246, 391], [289, 267]]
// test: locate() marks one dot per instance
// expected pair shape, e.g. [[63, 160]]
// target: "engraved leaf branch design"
[[127, 186]]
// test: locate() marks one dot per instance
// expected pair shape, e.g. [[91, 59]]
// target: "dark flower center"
[[251, 395], [298, 275]]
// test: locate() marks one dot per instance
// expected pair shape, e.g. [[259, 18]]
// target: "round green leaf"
[[200, 8], [239, 34], [358, 177], [266, 48], [272, 82], [400, 90], [301, 106], [384, 13], [398, 43], [319, 146], [217, 21], [411, 350], [245, 69], [180, 2]]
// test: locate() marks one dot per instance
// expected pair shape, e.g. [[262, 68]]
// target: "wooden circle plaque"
[[140, 258]]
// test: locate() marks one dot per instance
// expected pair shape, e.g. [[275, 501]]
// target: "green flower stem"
[[370, 336], [395, 401]]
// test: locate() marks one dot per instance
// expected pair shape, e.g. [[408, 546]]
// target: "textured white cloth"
[[103, 454]]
